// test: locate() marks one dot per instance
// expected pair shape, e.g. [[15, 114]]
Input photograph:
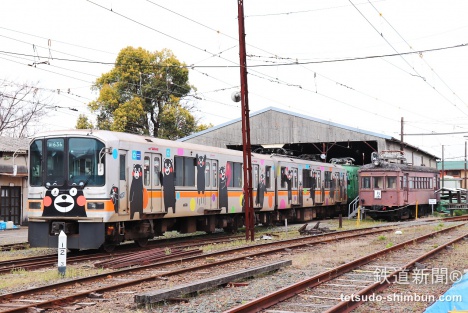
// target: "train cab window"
[[55, 171], [378, 182], [207, 174], [268, 176], [391, 182], [35, 163], [365, 182], [184, 171]]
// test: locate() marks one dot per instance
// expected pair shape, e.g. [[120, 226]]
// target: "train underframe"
[[396, 213], [82, 235]]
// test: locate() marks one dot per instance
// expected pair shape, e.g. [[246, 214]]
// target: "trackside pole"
[[416, 209], [62, 253], [358, 220]]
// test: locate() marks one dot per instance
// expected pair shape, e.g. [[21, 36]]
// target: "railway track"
[[158, 271], [33, 263], [65, 292], [343, 288]]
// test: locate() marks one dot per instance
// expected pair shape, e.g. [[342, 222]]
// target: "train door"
[[123, 183], [212, 188], [152, 182]]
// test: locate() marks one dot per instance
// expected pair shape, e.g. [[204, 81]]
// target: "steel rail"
[[292, 290]]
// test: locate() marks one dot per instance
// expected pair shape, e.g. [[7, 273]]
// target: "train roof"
[[107, 135], [388, 167]]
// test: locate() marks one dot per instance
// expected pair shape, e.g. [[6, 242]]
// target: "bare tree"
[[21, 105]]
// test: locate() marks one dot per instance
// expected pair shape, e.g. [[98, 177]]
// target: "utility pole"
[[248, 201], [401, 141], [465, 167]]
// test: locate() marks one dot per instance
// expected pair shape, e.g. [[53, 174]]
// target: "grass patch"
[[30, 279], [381, 238]]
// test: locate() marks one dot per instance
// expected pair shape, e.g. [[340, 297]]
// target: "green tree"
[[83, 123], [142, 94]]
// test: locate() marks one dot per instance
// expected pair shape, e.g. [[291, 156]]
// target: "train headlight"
[[95, 205]]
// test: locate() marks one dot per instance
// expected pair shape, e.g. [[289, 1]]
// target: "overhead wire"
[[417, 73]]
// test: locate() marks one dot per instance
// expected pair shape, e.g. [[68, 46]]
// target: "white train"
[[102, 188]]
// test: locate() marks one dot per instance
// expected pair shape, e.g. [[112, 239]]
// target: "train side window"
[[268, 176], [146, 171], [255, 176], [236, 172], [328, 178], [122, 166], [157, 171], [365, 182], [294, 178], [215, 174], [306, 178], [284, 176], [184, 171], [378, 182], [391, 182], [318, 177], [207, 173]]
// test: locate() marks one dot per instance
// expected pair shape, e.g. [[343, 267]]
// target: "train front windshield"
[[65, 161]]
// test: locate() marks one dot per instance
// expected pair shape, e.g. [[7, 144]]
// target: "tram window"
[[207, 174], [391, 182], [404, 181], [268, 176], [365, 182], [378, 182]]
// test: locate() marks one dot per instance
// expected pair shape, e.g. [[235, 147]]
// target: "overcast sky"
[[364, 64]]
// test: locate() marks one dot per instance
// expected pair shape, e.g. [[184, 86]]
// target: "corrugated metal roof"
[[10, 144], [289, 113]]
